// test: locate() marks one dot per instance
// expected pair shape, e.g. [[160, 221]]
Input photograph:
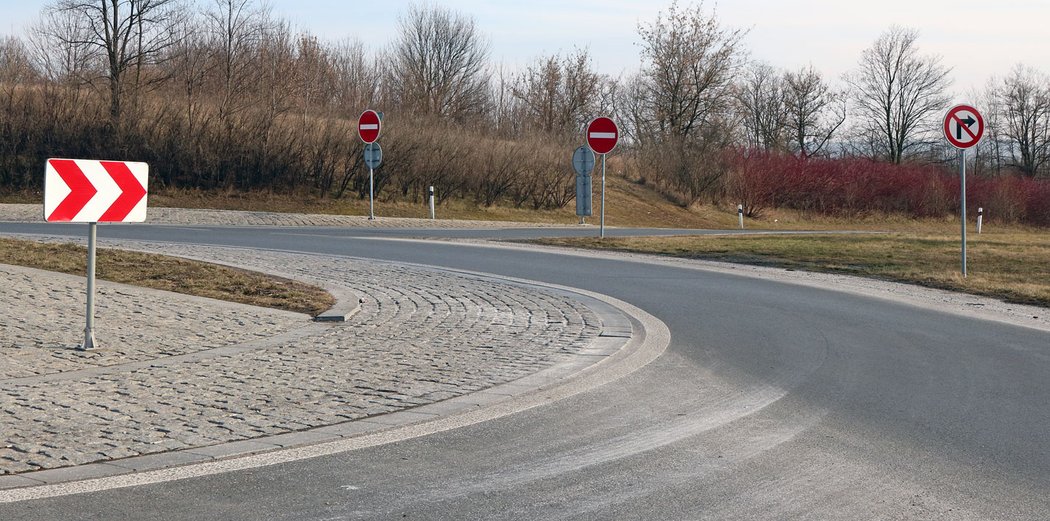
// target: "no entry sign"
[[369, 125], [963, 126], [602, 135]]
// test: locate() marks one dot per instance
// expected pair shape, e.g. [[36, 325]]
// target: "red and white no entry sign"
[[602, 135], [369, 125], [963, 126]]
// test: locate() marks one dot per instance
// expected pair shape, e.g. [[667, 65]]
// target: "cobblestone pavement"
[[176, 372], [33, 213]]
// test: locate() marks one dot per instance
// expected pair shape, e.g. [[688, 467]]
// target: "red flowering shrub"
[[854, 186]]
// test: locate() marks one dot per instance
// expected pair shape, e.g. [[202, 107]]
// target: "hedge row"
[[855, 186]]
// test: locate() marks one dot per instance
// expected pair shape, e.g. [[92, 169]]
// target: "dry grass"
[[630, 204], [171, 274], [1006, 262], [1010, 264]]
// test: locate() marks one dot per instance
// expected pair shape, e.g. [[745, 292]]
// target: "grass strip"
[[171, 274], [1012, 265]]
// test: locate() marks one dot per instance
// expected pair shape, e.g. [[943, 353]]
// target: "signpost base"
[[89, 341]]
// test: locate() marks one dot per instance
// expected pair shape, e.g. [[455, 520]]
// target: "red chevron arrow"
[[81, 190], [132, 191]]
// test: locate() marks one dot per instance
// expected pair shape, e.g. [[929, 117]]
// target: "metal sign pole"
[[371, 195], [89, 329], [962, 184], [602, 232]]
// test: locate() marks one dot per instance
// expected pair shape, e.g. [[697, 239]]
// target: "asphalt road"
[[773, 401]]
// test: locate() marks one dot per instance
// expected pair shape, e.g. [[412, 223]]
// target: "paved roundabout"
[[183, 380]]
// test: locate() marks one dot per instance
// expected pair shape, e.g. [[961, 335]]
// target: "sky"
[[977, 39]]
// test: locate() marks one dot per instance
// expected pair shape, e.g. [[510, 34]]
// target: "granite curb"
[[33, 213]]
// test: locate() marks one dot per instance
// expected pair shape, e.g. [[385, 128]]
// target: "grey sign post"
[[373, 158], [963, 128], [602, 135], [89, 329], [583, 163]]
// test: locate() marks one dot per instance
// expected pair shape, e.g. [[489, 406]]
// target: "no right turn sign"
[[963, 126]]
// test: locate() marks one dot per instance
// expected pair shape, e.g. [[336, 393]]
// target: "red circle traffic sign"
[[369, 125], [602, 135], [963, 126]]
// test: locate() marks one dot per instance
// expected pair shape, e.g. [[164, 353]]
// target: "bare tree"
[[991, 150], [538, 90], [189, 65], [581, 92], [814, 111], [630, 105], [314, 75], [761, 100], [67, 66], [356, 78], [559, 94], [506, 109], [187, 68], [898, 92], [439, 63], [126, 35], [16, 110], [689, 65], [16, 66], [1024, 98], [275, 60], [236, 28], [683, 119], [62, 61]]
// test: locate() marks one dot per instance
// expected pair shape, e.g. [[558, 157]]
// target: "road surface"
[[772, 401]]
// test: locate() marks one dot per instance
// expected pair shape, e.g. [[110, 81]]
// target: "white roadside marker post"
[[431, 203]]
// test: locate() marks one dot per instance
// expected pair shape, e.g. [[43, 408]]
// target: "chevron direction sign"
[[88, 191]]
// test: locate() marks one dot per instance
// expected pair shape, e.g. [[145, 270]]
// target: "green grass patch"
[[171, 274], [1012, 265]]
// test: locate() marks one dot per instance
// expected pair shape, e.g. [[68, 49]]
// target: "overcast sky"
[[976, 38]]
